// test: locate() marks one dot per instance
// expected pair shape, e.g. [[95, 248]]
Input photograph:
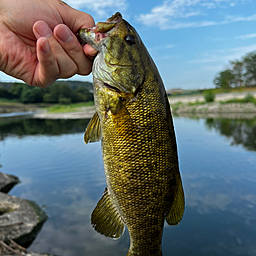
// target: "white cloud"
[[225, 55], [101, 8], [248, 36], [172, 14], [161, 47]]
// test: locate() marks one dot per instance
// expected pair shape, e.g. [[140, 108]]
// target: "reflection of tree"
[[241, 132], [21, 127]]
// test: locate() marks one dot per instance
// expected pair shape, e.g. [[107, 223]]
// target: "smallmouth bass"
[[134, 123]]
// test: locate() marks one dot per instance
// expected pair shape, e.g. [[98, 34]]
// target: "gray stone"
[[7, 182], [20, 219], [30, 254]]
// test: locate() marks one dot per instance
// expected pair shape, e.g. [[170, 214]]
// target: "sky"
[[191, 41]]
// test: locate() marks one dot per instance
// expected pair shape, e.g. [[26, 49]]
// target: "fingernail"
[[43, 29], [64, 34], [45, 46]]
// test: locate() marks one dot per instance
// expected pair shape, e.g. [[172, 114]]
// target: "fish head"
[[119, 62]]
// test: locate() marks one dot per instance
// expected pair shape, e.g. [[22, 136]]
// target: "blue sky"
[[189, 40]]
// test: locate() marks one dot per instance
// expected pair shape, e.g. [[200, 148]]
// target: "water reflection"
[[26, 126], [240, 132], [61, 172]]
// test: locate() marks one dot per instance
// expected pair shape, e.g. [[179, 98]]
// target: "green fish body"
[[134, 123]]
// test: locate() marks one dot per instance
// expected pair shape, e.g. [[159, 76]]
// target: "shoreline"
[[180, 106]]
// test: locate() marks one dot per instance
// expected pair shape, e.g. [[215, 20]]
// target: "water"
[[218, 167]]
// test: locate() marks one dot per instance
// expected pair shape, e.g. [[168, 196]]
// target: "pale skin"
[[38, 43]]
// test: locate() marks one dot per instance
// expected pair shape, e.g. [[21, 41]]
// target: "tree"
[[238, 72], [250, 68], [81, 94], [16, 90], [32, 95], [225, 79], [4, 93]]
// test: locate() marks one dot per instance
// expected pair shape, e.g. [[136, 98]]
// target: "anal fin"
[[176, 213], [93, 130], [105, 218]]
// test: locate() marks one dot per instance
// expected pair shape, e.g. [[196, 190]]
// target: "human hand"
[[50, 50]]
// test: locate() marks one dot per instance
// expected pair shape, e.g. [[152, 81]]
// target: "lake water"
[[57, 170]]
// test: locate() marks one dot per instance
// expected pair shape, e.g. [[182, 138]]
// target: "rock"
[[30, 254], [7, 182], [20, 219]]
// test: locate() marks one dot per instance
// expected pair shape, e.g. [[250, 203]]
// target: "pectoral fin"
[[176, 213], [105, 218], [93, 130]]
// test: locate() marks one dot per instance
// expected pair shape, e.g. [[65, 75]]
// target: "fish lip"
[[95, 35]]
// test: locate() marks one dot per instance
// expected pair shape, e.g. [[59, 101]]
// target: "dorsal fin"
[[93, 130], [106, 219]]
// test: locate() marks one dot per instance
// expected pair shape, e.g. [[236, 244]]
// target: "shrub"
[[65, 101], [209, 96], [49, 98], [249, 98]]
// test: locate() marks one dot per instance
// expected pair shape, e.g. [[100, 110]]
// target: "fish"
[[133, 121]]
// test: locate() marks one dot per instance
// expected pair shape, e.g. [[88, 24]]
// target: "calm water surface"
[[57, 170]]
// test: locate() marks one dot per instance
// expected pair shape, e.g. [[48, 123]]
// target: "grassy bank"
[[68, 108], [8, 106]]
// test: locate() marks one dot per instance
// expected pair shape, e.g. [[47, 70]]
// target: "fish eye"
[[130, 39]]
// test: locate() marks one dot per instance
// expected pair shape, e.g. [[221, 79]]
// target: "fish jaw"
[[93, 36]]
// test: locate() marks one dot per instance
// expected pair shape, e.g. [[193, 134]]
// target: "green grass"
[[8, 101], [68, 108]]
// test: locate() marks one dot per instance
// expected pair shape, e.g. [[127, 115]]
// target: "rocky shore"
[[216, 109], [20, 220]]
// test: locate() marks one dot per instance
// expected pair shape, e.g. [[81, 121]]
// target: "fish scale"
[[134, 123]]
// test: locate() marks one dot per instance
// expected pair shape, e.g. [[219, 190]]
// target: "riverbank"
[[180, 105]]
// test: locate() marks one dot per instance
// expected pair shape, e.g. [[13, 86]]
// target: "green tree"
[[16, 90], [81, 94], [225, 79], [32, 95], [49, 98], [65, 91], [250, 68], [238, 72], [4, 93]]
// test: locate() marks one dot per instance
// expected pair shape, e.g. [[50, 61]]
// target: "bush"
[[65, 101], [209, 96], [49, 98], [249, 98]]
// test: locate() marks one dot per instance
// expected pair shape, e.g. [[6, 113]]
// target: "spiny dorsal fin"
[[93, 130], [105, 218], [176, 213]]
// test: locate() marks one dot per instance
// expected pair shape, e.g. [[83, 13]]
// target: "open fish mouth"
[[93, 36]]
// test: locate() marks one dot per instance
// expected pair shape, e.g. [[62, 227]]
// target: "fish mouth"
[[93, 36]]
